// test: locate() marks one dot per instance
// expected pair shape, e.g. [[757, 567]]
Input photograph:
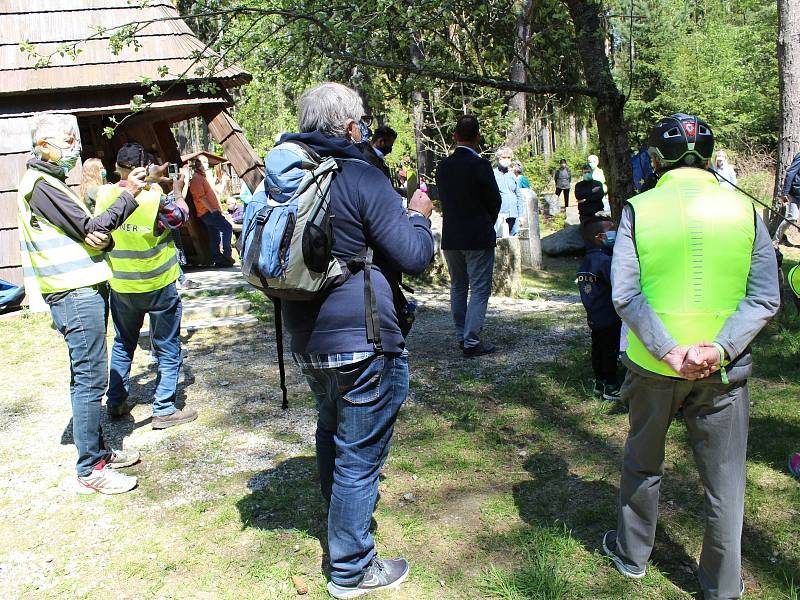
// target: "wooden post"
[[534, 237], [237, 149]]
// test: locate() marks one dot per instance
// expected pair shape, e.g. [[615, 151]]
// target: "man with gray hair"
[[62, 246], [359, 380]]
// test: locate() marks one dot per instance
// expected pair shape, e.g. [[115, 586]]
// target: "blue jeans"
[[218, 229], [358, 406], [81, 318], [470, 271], [128, 312]]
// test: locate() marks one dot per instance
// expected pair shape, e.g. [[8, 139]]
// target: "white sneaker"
[[119, 459], [106, 480]]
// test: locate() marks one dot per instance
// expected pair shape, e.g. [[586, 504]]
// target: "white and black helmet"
[[681, 138]]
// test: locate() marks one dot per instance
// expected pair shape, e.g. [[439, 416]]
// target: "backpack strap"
[[279, 341], [371, 314]]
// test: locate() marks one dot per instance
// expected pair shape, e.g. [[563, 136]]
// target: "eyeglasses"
[[367, 120], [67, 147]]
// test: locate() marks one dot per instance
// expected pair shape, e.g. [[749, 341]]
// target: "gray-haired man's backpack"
[[287, 239]]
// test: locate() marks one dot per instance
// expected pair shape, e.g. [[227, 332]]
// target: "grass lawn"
[[496, 486]]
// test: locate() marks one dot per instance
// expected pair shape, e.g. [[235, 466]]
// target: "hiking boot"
[[224, 261], [118, 411], [379, 575], [179, 417], [481, 349], [611, 391], [610, 548], [105, 480], [119, 459], [598, 387]]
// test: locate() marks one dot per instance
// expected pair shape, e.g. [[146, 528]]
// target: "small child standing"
[[594, 283]]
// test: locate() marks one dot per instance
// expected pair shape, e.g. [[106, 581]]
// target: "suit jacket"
[[372, 158], [470, 201]]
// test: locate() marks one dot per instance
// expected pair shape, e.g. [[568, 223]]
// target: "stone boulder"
[[566, 242], [550, 205], [507, 267]]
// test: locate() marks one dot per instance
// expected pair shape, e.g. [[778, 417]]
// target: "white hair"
[[593, 160], [503, 150], [48, 125], [327, 107]]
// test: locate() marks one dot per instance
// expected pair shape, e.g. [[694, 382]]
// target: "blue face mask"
[[365, 131], [587, 176], [611, 237], [69, 158]]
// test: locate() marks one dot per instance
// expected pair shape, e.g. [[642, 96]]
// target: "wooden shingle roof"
[[164, 41]]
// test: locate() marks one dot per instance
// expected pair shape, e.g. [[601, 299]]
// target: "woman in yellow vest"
[[694, 278], [63, 257], [144, 267]]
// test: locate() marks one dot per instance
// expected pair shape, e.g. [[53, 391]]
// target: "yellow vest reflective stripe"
[[694, 240], [57, 261], [140, 260]]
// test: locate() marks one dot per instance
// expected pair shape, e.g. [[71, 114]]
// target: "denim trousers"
[[358, 405], [128, 312], [218, 230], [470, 272], [81, 318]]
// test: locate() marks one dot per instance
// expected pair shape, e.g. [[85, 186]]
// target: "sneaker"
[[105, 480], [793, 464], [610, 548], [481, 349], [379, 575], [611, 391], [119, 459], [179, 417], [598, 387], [118, 411], [188, 284]]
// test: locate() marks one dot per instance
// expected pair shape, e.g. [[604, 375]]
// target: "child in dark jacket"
[[594, 283]]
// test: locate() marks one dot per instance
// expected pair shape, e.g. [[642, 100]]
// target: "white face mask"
[[505, 162]]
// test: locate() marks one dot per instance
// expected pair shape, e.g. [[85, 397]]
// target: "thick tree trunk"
[[788, 85], [517, 104], [608, 107]]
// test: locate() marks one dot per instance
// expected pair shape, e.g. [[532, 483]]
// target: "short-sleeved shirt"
[[201, 190]]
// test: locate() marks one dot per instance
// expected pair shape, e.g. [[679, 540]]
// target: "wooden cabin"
[[97, 85]]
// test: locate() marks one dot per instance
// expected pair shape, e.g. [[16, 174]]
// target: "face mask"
[[103, 173], [587, 176], [365, 132], [69, 158], [505, 162], [611, 237]]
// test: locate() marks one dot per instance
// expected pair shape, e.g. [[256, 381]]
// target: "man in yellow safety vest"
[[144, 267], [62, 252], [695, 279]]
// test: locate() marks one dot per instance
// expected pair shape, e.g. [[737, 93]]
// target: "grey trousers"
[[470, 271], [716, 417]]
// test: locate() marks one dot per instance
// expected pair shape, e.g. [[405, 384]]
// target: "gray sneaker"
[[105, 480], [179, 417], [381, 574], [610, 548], [119, 459]]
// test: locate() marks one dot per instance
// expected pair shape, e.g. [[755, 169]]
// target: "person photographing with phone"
[[145, 267]]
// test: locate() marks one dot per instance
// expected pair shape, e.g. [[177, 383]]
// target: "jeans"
[[716, 417], [128, 312], [470, 271], [81, 318], [218, 229], [358, 405]]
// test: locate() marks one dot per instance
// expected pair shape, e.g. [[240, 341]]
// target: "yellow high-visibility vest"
[[58, 262], [694, 240], [140, 260]]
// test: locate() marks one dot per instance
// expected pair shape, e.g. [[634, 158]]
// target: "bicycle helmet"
[[681, 139]]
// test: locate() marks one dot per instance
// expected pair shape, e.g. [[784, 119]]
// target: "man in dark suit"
[[470, 205], [376, 149]]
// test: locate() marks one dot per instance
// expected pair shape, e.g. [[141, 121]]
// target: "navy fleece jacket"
[[366, 212]]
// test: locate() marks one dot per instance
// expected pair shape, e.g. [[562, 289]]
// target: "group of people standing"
[[693, 277]]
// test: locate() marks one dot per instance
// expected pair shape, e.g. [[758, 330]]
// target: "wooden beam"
[[238, 150]]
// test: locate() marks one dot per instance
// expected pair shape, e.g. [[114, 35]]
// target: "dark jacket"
[[366, 211], [791, 183], [470, 201], [594, 283], [372, 158], [590, 198]]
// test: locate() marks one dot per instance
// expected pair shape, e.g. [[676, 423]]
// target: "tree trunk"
[[608, 108], [517, 104], [573, 135], [419, 99], [544, 137], [788, 85]]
